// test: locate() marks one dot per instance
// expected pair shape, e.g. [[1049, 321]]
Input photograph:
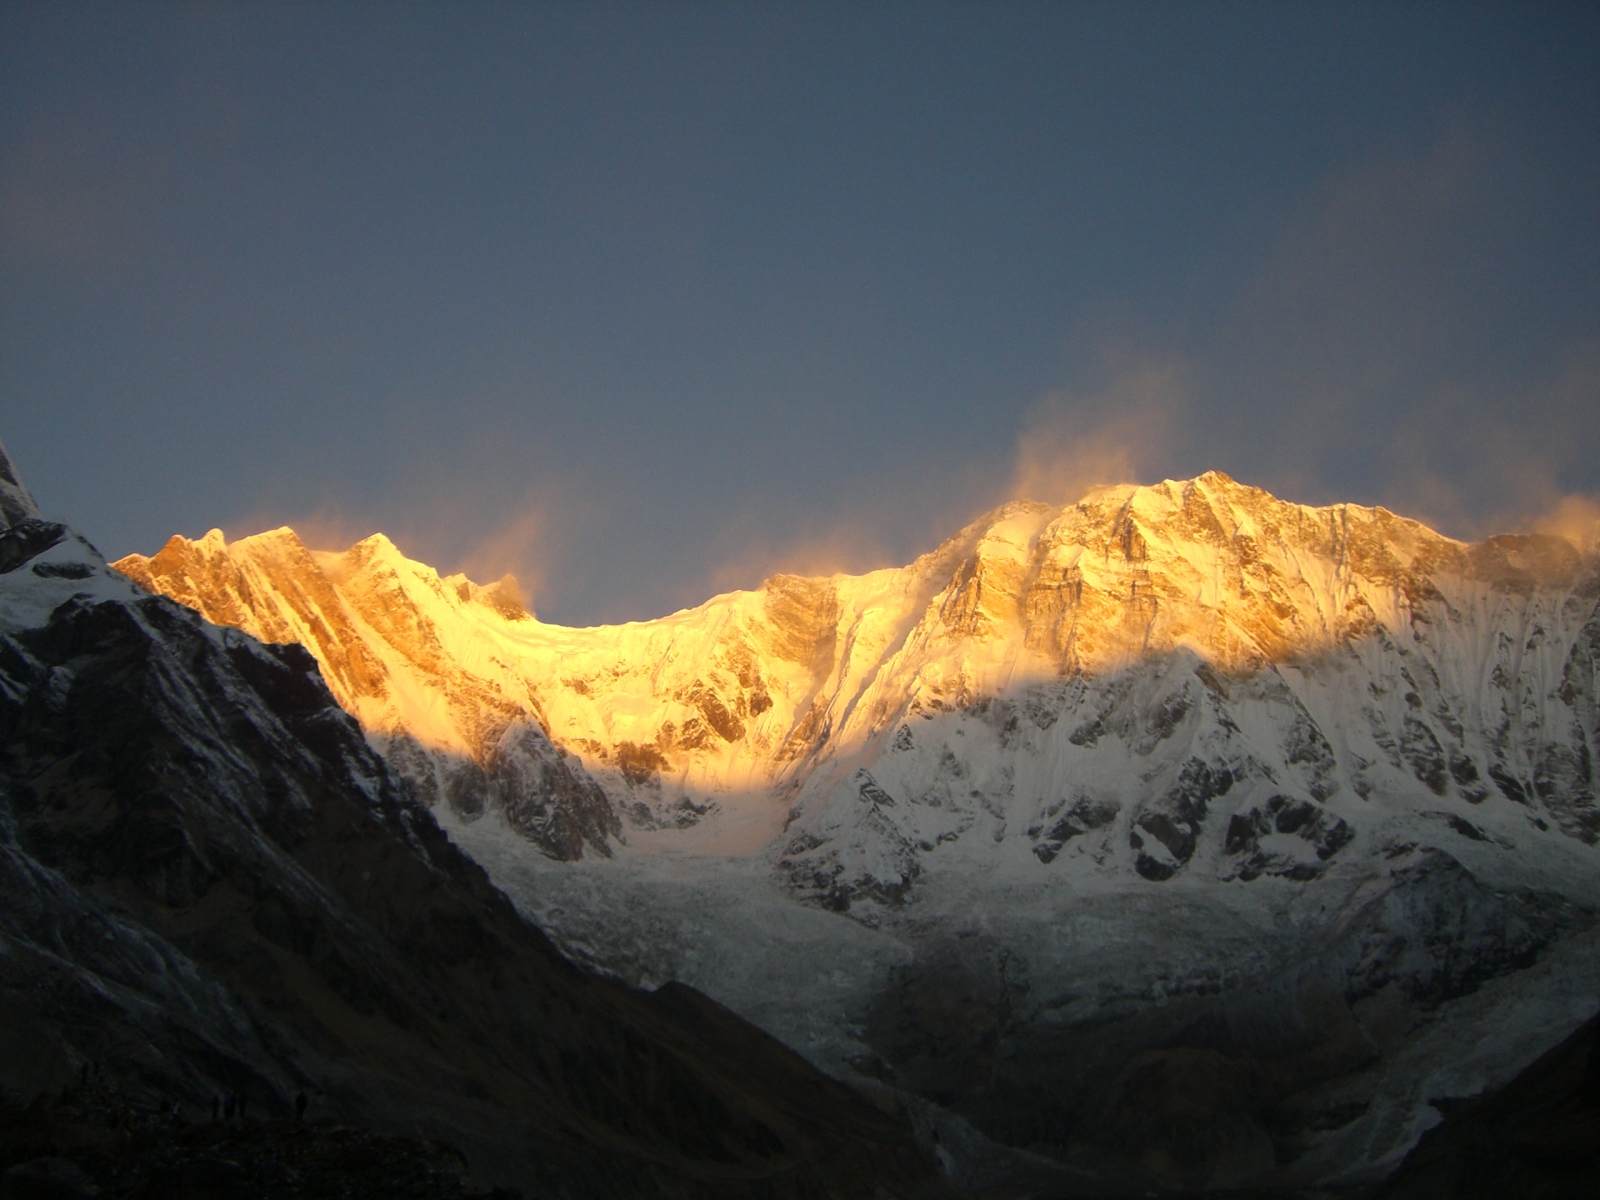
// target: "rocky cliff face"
[[15, 502], [1181, 832], [210, 883], [397, 647]]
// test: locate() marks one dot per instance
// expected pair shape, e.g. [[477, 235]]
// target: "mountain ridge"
[[210, 882], [1091, 795], [779, 677]]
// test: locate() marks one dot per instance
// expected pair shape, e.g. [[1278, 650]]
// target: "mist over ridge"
[[643, 312]]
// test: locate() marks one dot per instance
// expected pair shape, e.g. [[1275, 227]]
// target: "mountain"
[[1179, 837], [396, 653], [210, 883]]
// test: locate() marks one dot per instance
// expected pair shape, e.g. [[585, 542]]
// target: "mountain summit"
[[1393, 660], [1178, 783], [15, 502]]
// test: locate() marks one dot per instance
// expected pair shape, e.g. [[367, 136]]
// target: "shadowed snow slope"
[[1177, 783]]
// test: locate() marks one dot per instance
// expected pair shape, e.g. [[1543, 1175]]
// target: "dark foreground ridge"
[[1537, 1138], [211, 886], [95, 1139]]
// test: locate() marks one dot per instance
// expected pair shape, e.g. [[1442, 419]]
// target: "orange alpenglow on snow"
[[756, 699]]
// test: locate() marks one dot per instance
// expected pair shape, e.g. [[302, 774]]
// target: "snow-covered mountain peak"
[[209, 882], [1182, 762], [1116, 623]]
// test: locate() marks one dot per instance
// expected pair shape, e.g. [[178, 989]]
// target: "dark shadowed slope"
[[209, 883], [1537, 1138]]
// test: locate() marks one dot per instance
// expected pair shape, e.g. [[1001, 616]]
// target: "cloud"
[[326, 527], [528, 540], [1576, 518], [1488, 459], [1389, 346], [1122, 432], [518, 546], [751, 555], [1357, 330]]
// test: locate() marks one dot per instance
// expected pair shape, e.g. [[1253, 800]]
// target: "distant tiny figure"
[[241, 1106], [300, 1106], [228, 1107]]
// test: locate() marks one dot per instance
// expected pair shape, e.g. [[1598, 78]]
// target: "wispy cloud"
[[849, 547], [1498, 457], [478, 525], [1353, 362], [325, 527], [1348, 341], [1122, 432], [1576, 518], [521, 545]]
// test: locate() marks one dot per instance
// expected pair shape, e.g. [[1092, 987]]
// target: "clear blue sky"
[[644, 301]]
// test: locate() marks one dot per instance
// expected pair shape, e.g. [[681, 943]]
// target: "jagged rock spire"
[[15, 502]]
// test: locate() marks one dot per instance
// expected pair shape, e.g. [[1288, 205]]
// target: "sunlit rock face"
[[411, 656], [1158, 678], [1184, 836]]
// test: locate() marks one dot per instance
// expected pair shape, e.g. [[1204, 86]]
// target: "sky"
[[645, 302]]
